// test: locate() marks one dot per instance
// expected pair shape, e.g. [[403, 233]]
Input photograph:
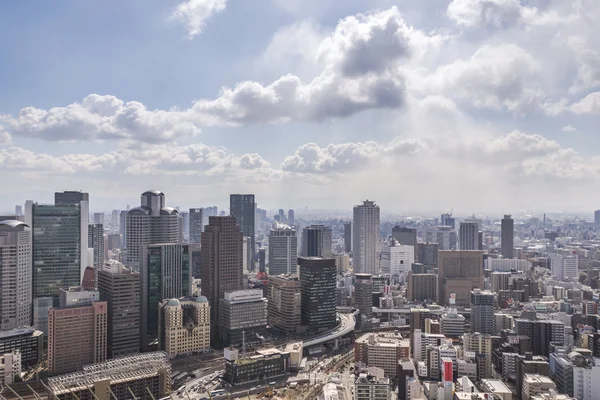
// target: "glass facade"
[[243, 208], [56, 248]]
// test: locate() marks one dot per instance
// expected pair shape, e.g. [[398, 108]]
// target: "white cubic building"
[[283, 250], [396, 260], [565, 266]]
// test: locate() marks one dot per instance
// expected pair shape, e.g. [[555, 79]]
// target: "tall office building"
[[99, 218], [508, 236], [242, 316], [15, 275], [565, 266], [499, 281], [59, 243], [427, 254], [316, 241], [96, 242], [123, 227], [444, 236], [481, 345], [196, 224], [482, 312], [348, 237], [76, 337], [165, 273], [448, 220], [396, 260], [468, 236], [120, 288], [152, 222], [597, 219], [114, 221], [184, 326], [283, 250], [243, 208], [365, 237], [405, 236], [459, 272], [291, 218], [421, 287], [19, 211], [283, 303], [221, 260], [71, 197], [318, 295], [363, 295]]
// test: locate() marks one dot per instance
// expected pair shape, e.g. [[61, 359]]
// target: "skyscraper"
[[243, 208], [76, 337], [444, 236], [165, 273], [348, 237], [482, 312], [316, 241], [196, 224], [421, 287], [468, 236], [221, 261], [365, 237], [318, 295], [96, 242], [448, 220], [284, 303], [508, 236], [15, 275], [71, 197], [120, 288], [152, 222], [405, 236], [459, 272], [59, 243], [283, 250], [363, 295], [291, 219], [99, 218]]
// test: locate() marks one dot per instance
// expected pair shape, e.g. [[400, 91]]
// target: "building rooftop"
[[19, 332]]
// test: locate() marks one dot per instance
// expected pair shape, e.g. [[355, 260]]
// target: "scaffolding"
[[123, 370]]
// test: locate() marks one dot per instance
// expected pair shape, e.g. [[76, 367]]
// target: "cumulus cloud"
[[499, 77], [194, 14], [496, 13], [101, 118], [590, 104]]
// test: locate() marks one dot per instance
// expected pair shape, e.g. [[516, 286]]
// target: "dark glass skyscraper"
[[196, 224], [165, 273], [316, 241], [243, 208], [318, 295], [71, 197], [507, 237], [348, 237]]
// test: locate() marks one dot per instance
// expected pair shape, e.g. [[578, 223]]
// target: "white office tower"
[[283, 250], [444, 236], [396, 260], [15, 275], [151, 223], [565, 266], [365, 238]]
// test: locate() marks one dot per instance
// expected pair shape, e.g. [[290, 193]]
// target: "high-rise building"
[[481, 345], [365, 237], [382, 350], [318, 296], [59, 243], [71, 197], [77, 296], [283, 250], [76, 337], [444, 236], [123, 227], [543, 334], [421, 287], [15, 275], [99, 218], [243, 208], [405, 236], [363, 295], [291, 218], [348, 237], [152, 222], [396, 260], [448, 220], [499, 281], [165, 273], [114, 221], [597, 219], [184, 326], [459, 272], [482, 312], [196, 224], [427, 254], [19, 211], [139, 376], [221, 261], [284, 303], [508, 236], [468, 236], [565, 266], [120, 288], [316, 241], [96, 242], [242, 317]]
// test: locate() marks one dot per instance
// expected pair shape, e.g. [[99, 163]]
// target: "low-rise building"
[[534, 384], [263, 365], [10, 367], [28, 341], [497, 387], [383, 350], [369, 387]]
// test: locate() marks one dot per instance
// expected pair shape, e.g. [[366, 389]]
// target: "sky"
[[422, 106]]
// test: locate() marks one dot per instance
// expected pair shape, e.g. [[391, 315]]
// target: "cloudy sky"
[[480, 105]]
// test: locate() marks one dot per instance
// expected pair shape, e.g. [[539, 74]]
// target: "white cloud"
[[496, 13], [195, 13], [590, 104], [569, 128]]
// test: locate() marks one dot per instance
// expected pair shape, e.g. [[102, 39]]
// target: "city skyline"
[[452, 94]]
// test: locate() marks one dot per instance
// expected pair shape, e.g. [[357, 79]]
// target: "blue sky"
[[480, 105]]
